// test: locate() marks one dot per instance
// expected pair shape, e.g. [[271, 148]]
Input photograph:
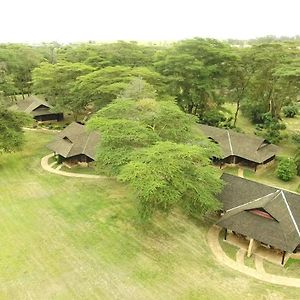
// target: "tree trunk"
[[236, 112]]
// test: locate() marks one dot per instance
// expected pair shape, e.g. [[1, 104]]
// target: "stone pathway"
[[259, 264], [222, 258], [240, 255], [41, 129], [241, 172], [49, 168]]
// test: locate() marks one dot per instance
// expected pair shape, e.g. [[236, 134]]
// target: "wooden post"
[[250, 248], [283, 256], [225, 234]]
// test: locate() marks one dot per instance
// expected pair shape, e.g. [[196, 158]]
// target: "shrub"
[[286, 169], [296, 138], [213, 118], [290, 111]]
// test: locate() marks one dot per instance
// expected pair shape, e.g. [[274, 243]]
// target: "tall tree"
[[19, 61], [11, 134], [169, 175], [196, 71], [126, 125], [57, 82], [105, 85], [271, 87], [240, 73]]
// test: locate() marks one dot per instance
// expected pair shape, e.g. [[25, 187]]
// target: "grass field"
[[68, 238]]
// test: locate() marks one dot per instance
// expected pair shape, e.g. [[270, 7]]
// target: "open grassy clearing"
[[68, 238], [291, 268]]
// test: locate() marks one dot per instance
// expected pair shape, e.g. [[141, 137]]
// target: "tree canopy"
[[11, 132], [169, 175]]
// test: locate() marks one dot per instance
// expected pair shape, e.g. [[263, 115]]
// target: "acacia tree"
[[57, 82], [105, 85], [11, 134], [271, 85], [126, 125], [196, 71], [19, 61], [169, 175], [162, 117], [138, 89], [240, 72], [120, 53]]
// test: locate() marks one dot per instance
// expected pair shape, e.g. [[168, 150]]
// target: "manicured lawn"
[[268, 176], [229, 249], [68, 238], [291, 268], [82, 170]]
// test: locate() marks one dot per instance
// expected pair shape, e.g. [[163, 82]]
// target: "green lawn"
[[68, 238], [80, 169], [291, 268]]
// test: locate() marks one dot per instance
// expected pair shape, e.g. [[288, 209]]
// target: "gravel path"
[[45, 165], [222, 258], [259, 264], [240, 255]]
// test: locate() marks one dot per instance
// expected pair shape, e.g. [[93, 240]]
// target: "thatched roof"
[[249, 147], [75, 140], [267, 214], [31, 105]]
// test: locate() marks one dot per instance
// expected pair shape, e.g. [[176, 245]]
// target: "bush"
[[296, 138], [286, 169], [290, 111], [213, 118]]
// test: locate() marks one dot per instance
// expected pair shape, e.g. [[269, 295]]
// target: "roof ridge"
[[229, 141], [84, 148], [290, 212], [239, 206]]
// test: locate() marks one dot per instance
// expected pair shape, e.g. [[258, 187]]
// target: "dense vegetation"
[[145, 100], [11, 132], [199, 75], [150, 145]]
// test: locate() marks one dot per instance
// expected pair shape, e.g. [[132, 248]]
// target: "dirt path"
[[240, 255], [45, 165], [241, 172], [213, 242], [259, 264], [41, 129]]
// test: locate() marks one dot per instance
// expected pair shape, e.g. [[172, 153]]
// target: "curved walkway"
[[213, 242], [45, 165]]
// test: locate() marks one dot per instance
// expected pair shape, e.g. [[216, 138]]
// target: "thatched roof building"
[[75, 143], [240, 148], [39, 109], [266, 214]]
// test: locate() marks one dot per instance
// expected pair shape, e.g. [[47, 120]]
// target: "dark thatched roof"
[[75, 140], [32, 105], [249, 147], [242, 199]]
